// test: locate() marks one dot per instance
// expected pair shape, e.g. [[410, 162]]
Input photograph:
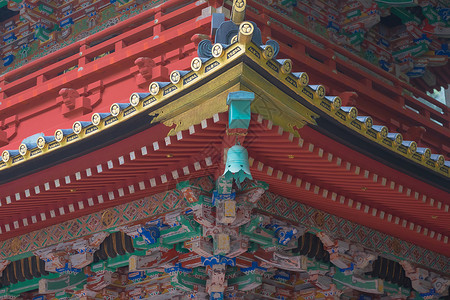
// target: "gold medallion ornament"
[[96, 119], [286, 68], [217, 50], [175, 77], [5, 156], [115, 109], [320, 92], [337, 102], [368, 123], [108, 218], [15, 246], [245, 32], [196, 64], [397, 138], [238, 11], [40, 142], [412, 148], [353, 113], [426, 154], [303, 79], [59, 135], [23, 149], [440, 161], [77, 127], [134, 99], [268, 52], [154, 88], [234, 39]]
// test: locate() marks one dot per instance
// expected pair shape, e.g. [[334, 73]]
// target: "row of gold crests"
[[245, 35], [246, 30]]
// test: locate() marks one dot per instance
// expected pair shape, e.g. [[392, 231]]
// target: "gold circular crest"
[[175, 77], [217, 50], [398, 139], [196, 64], [239, 3], [95, 119], [440, 161], [320, 91], [5, 155], [304, 79], [246, 28], [353, 113], [59, 135], [134, 99], [40, 143], [286, 68], [23, 149], [384, 132], [77, 127], [427, 154], [115, 109], [268, 52], [412, 147], [108, 218], [368, 123], [337, 102], [154, 88]]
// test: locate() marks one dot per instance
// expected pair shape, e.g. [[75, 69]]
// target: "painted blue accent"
[[150, 234], [216, 296], [7, 60], [351, 268], [239, 113], [216, 20], [66, 22], [204, 49], [227, 30], [136, 276], [431, 293], [9, 37], [275, 46], [123, 105], [416, 72], [253, 268], [423, 38], [13, 153], [384, 64], [284, 233], [443, 51], [177, 268], [334, 26], [383, 42], [216, 196], [218, 260], [67, 269], [282, 275], [31, 140]]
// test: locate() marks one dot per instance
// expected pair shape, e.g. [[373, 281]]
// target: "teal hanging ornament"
[[237, 166]]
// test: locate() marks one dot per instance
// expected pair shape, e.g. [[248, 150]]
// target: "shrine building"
[[245, 149]]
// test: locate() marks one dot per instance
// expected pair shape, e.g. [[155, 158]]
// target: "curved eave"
[[331, 120]]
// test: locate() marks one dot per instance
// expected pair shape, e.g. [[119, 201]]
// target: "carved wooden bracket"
[[8, 129], [80, 101]]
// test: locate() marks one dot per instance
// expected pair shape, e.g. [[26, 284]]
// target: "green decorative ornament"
[[237, 166]]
